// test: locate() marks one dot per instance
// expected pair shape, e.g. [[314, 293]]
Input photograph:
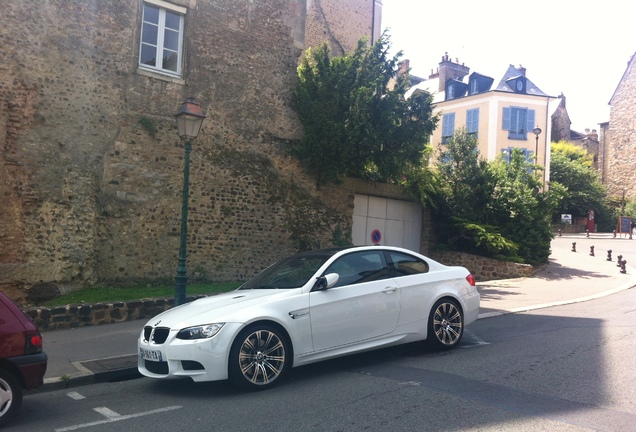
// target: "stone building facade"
[[618, 138], [91, 166], [341, 23]]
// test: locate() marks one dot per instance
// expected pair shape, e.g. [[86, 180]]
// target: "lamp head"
[[189, 119]]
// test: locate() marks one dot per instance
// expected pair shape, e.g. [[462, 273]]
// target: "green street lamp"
[[189, 120]]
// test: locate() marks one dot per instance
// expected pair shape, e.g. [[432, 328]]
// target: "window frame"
[[160, 43], [472, 122], [518, 128]]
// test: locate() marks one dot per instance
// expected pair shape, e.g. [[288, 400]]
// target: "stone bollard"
[[614, 233], [587, 233], [623, 264], [559, 232], [573, 246], [591, 250], [609, 255], [619, 258]]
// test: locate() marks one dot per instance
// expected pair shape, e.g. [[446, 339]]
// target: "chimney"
[[403, 67], [450, 70], [562, 101], [522, 70]]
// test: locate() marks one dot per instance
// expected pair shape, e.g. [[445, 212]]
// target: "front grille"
[[160, 334], [157, 335], [157, 367]]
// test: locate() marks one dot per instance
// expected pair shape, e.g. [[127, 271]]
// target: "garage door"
[[387, 222]]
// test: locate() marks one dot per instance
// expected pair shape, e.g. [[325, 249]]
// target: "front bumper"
[[197, 359]]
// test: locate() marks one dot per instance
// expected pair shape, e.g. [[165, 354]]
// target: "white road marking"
[[112, 416], [75, 396], [107, 412]]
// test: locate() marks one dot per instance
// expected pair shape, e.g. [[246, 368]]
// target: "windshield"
[[292, 272]]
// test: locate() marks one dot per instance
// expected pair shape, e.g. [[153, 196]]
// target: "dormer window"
[[479, 84], [455, 89], [517, 84]]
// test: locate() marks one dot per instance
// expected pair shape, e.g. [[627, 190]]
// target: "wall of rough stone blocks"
[[91, 195], [619, 152], [339, 23], [91, 167], [484, 269]]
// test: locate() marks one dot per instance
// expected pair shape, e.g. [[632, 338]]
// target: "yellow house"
[[510, 113]]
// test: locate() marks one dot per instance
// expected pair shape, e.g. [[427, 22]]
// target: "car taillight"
[[33, 343], [471, 280]]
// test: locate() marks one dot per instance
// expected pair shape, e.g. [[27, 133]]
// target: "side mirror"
[[325, 282]]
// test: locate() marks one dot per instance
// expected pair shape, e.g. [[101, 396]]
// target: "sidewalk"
[[108, 353]]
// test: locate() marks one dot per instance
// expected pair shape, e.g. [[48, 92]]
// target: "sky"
[[576, 47]]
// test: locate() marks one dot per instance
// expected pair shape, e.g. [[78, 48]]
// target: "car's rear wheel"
[[446, 324], [10, 396], [259, 357]]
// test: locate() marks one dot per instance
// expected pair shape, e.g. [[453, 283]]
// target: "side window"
[[448, 127], [405, 265], [359, 267], [161, 45]]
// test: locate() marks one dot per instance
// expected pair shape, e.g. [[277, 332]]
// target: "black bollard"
[[559, 232], [620, 258], [609, 255], [591, 250], [587, 233], [623, 264], [614, 233], [573, 246]]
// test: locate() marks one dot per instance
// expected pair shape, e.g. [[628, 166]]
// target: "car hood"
[[224, 307]]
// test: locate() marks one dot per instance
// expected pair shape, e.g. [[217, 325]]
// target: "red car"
[[22, 361]]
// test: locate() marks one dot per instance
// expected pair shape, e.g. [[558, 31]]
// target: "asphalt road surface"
[[565, 368]]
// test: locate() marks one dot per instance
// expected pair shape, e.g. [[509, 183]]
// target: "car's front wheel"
[[10, 396], [446, 324], [259, 357]]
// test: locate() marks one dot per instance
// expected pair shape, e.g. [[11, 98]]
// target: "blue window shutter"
[[530, 120], [448, 124], [506, 119], [472, 120]]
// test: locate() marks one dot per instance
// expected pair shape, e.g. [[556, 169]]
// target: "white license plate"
[[151, 355]]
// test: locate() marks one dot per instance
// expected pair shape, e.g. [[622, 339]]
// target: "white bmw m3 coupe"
[[310, 307]]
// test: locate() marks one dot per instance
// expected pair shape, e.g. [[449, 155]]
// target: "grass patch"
[[94, 295]]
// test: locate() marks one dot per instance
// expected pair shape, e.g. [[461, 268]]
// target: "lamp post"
[[189, 120], [537, 132]]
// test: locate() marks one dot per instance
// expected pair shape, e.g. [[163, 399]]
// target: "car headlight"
[[200, 332]]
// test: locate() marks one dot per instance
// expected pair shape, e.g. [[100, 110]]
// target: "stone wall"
[[484, 269], [91, 167], [72, 316], [339, 23], [619, 149]]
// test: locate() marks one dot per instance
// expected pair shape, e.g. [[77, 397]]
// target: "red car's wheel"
[[10, 396]]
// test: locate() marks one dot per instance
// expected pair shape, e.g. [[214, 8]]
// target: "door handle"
[[389, 289]]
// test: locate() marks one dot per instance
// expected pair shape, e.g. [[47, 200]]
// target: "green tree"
[[521, 208], [495, 209], [355, 123], [462, 204], [571, 166]]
